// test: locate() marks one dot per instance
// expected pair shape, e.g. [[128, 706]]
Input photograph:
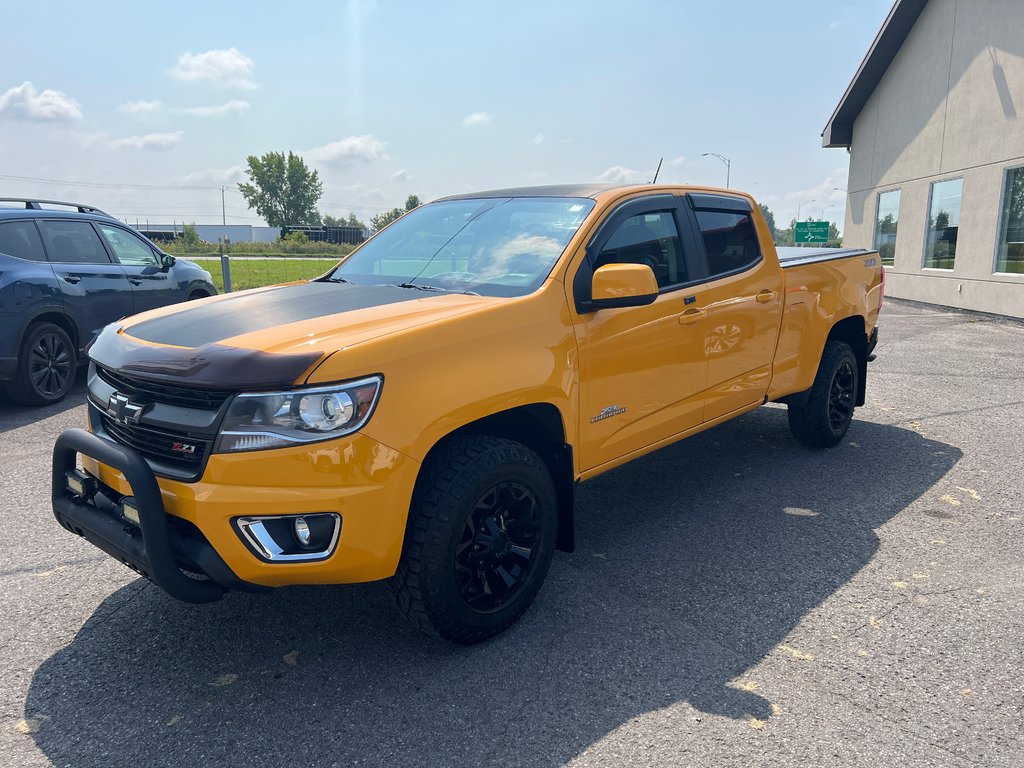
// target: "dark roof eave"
[[838, 131]]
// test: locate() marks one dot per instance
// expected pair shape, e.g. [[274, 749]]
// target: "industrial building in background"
[[932, 121]]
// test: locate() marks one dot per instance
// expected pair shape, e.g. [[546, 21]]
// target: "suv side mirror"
[[166, 261], [622, 285]]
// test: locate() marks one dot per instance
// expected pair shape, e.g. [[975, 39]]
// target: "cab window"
[[651, 239], [129, 249], [730, 241], [73, 242]]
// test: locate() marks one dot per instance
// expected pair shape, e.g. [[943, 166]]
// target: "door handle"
[[691, 316], [135, 280], [763, 297], [73, 279]]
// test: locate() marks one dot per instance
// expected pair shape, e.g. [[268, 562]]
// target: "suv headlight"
[[259, 420]]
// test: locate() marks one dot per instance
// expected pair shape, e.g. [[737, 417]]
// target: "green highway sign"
[[812, 232]]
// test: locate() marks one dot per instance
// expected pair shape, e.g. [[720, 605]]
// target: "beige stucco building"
[[934, 124]]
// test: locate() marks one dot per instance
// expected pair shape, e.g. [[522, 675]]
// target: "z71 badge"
[[607, 413]]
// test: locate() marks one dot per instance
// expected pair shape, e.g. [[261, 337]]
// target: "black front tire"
[[823, 420], [479, 541], [46, 366]]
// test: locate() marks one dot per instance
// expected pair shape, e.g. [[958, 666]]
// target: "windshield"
[[489, 246]]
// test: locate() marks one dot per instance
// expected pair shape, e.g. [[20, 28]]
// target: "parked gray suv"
[[64, 274]]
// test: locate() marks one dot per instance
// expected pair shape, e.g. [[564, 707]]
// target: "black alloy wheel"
[[480, 538], [840, 396], [46, 366], [495, 553], [50, 366], [823, 418]]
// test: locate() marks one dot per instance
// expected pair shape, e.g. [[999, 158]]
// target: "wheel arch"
[[58, 317], [540, 428], [851, 331]]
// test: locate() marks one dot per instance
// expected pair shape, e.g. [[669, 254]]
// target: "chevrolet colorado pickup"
[[423, 412]]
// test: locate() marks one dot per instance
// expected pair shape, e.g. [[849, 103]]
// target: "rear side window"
[[651, 239], [129, 249], [73, 242], [730, 241], [20, 239]]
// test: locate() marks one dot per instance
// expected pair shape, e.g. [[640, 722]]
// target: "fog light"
[[291, 538], [129, 511], [80, 484], [302, 532]]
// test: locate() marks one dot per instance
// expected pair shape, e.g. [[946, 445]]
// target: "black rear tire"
[[823, 420], [46, 366], [480, 539]]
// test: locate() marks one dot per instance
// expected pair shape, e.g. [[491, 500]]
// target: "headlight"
[[260, 420]]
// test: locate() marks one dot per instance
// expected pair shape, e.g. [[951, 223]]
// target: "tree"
[[189, 236], [282, 190], [341, 221], [381, 220], [770, 218]]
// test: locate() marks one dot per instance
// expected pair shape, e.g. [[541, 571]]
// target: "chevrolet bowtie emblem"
[[123, 410]]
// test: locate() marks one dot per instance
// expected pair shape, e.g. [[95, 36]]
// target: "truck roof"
[[591, 190]]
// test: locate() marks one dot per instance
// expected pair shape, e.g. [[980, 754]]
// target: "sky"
[[146, 110]]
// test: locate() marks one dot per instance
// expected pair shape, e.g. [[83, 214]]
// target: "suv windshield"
[[490, 246]]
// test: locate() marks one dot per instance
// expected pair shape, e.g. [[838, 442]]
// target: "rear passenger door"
[[743, 299], [95, 290], [152, 285]]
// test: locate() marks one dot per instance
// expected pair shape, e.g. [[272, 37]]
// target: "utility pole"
[[225, 261]]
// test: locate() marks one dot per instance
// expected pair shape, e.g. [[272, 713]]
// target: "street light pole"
[[806, 202], [728, 166]]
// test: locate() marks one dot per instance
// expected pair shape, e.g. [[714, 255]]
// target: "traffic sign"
[[815, 232]]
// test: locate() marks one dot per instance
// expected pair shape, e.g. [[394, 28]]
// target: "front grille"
[[171, 394], [163, 446]]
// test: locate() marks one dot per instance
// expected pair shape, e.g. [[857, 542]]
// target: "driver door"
[[643, 370], [152, 284]]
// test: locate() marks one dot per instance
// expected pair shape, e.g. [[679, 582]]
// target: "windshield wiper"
[[337, 280], [420, 287]]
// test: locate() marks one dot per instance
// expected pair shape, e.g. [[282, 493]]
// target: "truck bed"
[[791, 257]]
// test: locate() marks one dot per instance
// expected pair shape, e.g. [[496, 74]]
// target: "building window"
[[943, 224], [886, 219], [1010, 257]]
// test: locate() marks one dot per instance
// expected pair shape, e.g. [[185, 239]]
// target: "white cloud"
[[677, 160], [477, 118], [400, 175], [349, 151], [228, 68], [537, 139], [619, 174], [24, 102], [235, 105], [215, 176], [832, 27], [148, 141], [140, 107]]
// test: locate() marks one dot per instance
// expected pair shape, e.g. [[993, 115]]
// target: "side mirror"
[[622, 285], [166, 261]]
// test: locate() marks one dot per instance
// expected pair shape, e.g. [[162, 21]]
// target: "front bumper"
[[366, 483], [154, 549]]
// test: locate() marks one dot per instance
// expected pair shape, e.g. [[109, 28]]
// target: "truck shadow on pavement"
[[692, 565]]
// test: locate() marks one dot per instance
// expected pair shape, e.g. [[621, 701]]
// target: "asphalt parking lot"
[[734, 600]]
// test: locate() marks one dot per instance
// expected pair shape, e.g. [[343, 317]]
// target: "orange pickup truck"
[[422, 413]]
